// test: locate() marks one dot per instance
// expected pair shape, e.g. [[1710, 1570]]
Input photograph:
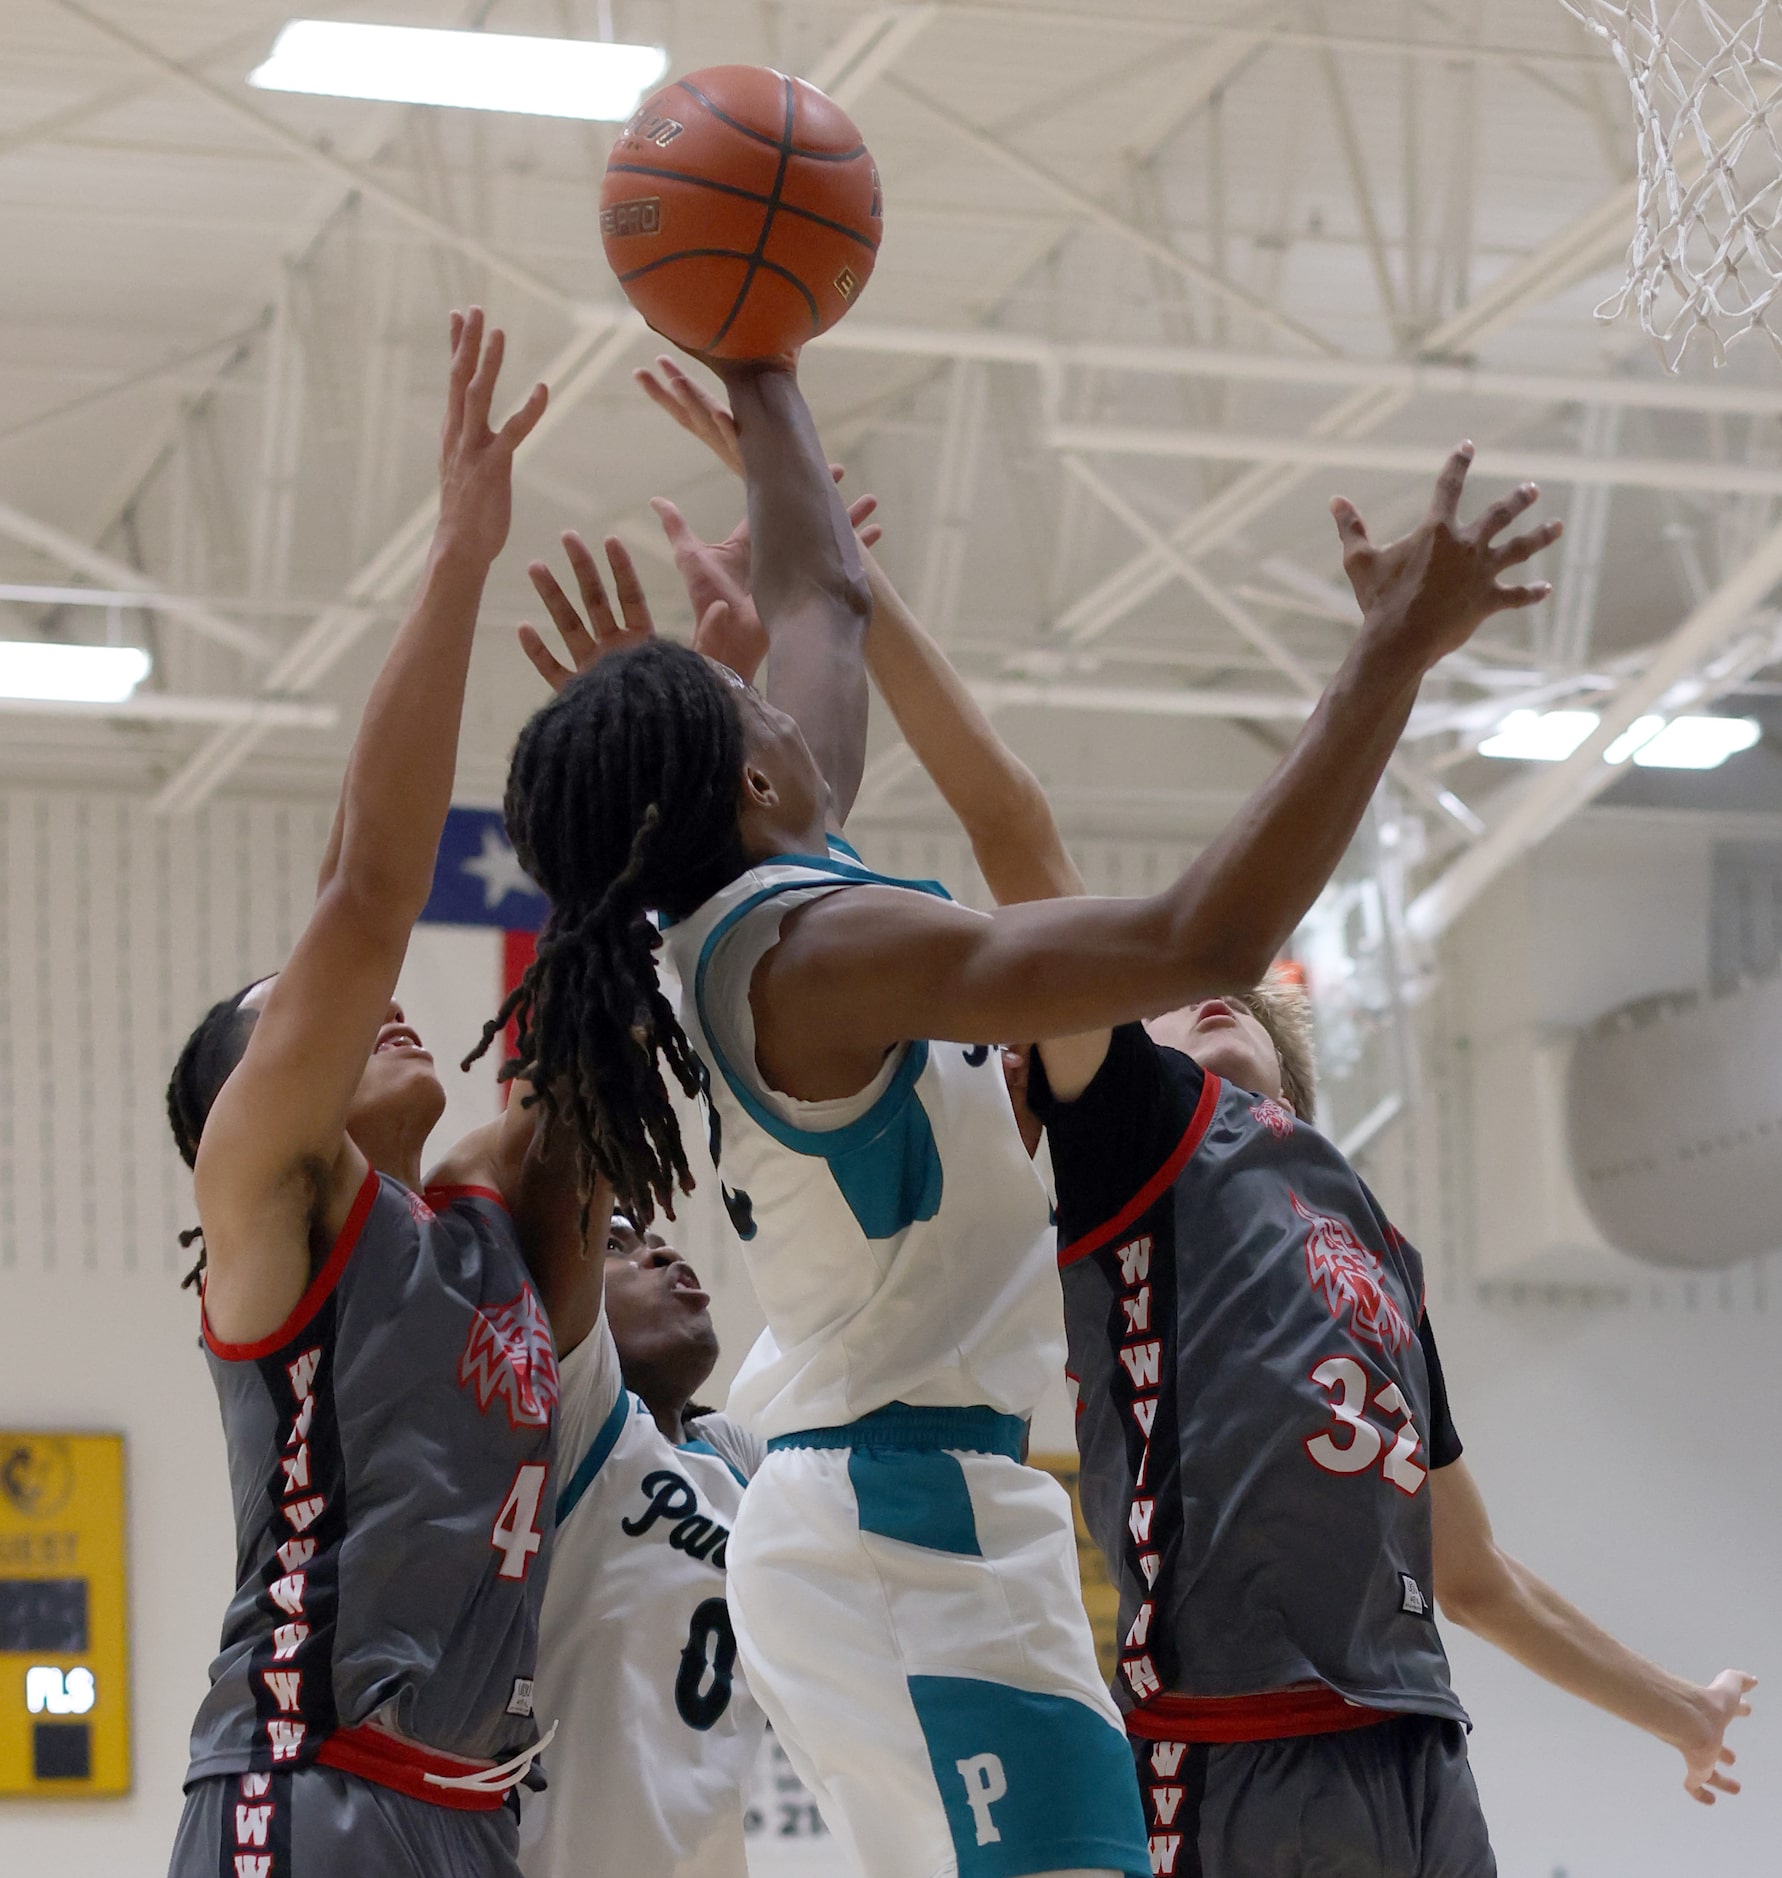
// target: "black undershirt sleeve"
[[1444, 1439], [1114, 1136]]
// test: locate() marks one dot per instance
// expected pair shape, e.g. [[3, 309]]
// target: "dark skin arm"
[[809, 579], [857, 973], [531, 1163]]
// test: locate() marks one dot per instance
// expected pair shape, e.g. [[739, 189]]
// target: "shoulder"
[[741, 1451]]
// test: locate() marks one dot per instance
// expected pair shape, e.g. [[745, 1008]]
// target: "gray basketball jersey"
[[1258, 1396], [390, 1454]]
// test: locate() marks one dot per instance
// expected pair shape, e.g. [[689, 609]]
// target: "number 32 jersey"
[[658, 1734], [1259, 1399]]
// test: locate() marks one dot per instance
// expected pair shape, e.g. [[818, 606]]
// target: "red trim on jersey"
[[402, 1766], [1278, 1714], [1159, 1184], [442, 1196], [314, 1297]]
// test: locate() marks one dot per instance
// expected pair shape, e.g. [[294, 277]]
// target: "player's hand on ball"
[[587, 641], [1705, 1752], [1425, 595], [476, 484]]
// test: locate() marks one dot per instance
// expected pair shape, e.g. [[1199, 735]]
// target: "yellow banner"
[[64, 1616]]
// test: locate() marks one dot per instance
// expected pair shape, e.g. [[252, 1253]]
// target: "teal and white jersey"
[[898, 1240], [657, 1733]]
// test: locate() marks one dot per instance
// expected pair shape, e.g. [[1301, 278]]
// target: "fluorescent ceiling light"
[[1635, 737], [585, 78], [1698, 742], [33, 668], [1540, 736]]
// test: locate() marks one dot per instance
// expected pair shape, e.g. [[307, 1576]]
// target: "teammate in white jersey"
[[904, 1593], [637, 1661]]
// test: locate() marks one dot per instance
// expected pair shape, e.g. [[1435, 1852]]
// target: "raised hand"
[[716, 576], [1427, 594], [587, 641], [476, 463], [694, 409], [1705, 1753]]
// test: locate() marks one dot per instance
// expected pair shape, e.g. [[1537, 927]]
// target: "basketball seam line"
[[779, 182], [722, 254], [761, 136], [748, 195]]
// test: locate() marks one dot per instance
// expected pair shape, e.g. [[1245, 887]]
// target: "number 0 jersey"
[[390, 1451], [898, 1240], [1259, 1402], [657, 1734]]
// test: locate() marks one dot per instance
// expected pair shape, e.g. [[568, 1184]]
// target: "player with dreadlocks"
[[386, 1377], [904, 1593], [1289, 1706]]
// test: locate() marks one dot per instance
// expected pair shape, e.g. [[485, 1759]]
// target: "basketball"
[[741, 212]]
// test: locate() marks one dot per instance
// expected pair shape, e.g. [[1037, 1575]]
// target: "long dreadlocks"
[[622, 800]]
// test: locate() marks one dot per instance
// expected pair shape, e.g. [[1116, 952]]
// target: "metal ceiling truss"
[[1420, 261]]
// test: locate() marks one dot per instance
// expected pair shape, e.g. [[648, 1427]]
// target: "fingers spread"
[[481, 393], [525, 420], [593, 590], [467, 336], [550, 669], [1350, 527], [1450, 485], [674, 525], [713, 622], [1505, 510], [1509, 599], [576, 638], [633, 604], [871, 535], [1523, 547], [860, 510]]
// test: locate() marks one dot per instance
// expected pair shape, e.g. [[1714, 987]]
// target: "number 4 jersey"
[[658, 1734], [390, 1451], [1259, 1403]]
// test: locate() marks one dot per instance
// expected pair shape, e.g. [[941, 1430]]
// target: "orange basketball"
[[741, 212]]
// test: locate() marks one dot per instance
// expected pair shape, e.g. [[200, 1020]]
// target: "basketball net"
[[1707, 94]]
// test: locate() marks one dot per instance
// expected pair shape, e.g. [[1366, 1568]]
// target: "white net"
[[1707, 93]]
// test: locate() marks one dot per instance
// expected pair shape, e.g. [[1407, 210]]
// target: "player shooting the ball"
[[1271, 1728]]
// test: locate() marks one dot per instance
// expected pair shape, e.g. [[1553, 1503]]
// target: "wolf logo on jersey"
[[1347, 1276], [509, 1353]]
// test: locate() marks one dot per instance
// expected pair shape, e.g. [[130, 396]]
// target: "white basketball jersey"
[[637, 1661], [898, 1241]]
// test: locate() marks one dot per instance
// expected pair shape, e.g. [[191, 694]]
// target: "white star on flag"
[[499, 869]]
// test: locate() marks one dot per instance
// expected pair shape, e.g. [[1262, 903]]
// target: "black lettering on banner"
[[711, 1649]]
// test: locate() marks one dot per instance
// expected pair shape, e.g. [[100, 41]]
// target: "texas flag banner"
[[473, 945]]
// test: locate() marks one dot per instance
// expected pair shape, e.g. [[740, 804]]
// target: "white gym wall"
[[1622, 1425]]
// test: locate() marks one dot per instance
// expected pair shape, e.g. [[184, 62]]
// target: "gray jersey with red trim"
[[390, 1454], [1258, 1397]]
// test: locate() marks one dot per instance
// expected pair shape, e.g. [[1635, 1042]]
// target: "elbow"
[[376, 897], [851, 593], [1477, 1599]]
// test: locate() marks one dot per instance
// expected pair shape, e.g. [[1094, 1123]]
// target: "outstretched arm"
[[808, 580], [1486, 1591], [857, 973], [995, 796], [275, 1166]]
